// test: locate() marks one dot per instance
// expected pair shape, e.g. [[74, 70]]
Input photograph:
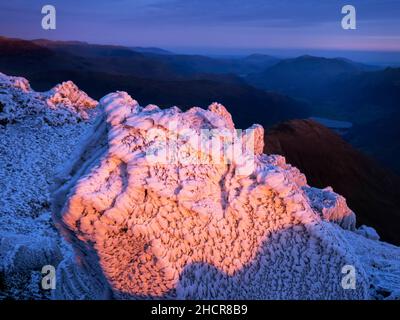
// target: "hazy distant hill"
[[343, 89], [239, 66], [151, 50], [338, 87], [305, 76]]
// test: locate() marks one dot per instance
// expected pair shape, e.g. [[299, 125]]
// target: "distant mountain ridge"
[[151, 50], [162, 79], [183, 64]]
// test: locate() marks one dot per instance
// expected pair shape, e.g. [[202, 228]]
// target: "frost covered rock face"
[[184, 228], [65, 103]]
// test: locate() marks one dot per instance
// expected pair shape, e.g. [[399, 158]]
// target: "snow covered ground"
[[269, 235]]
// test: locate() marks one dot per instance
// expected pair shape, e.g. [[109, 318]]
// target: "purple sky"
[[214, 26]]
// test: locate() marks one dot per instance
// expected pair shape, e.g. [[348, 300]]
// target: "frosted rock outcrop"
[[38, 133], [65, 103], [247, 228]]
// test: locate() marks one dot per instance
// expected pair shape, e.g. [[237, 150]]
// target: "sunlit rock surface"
[[148, 229]]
